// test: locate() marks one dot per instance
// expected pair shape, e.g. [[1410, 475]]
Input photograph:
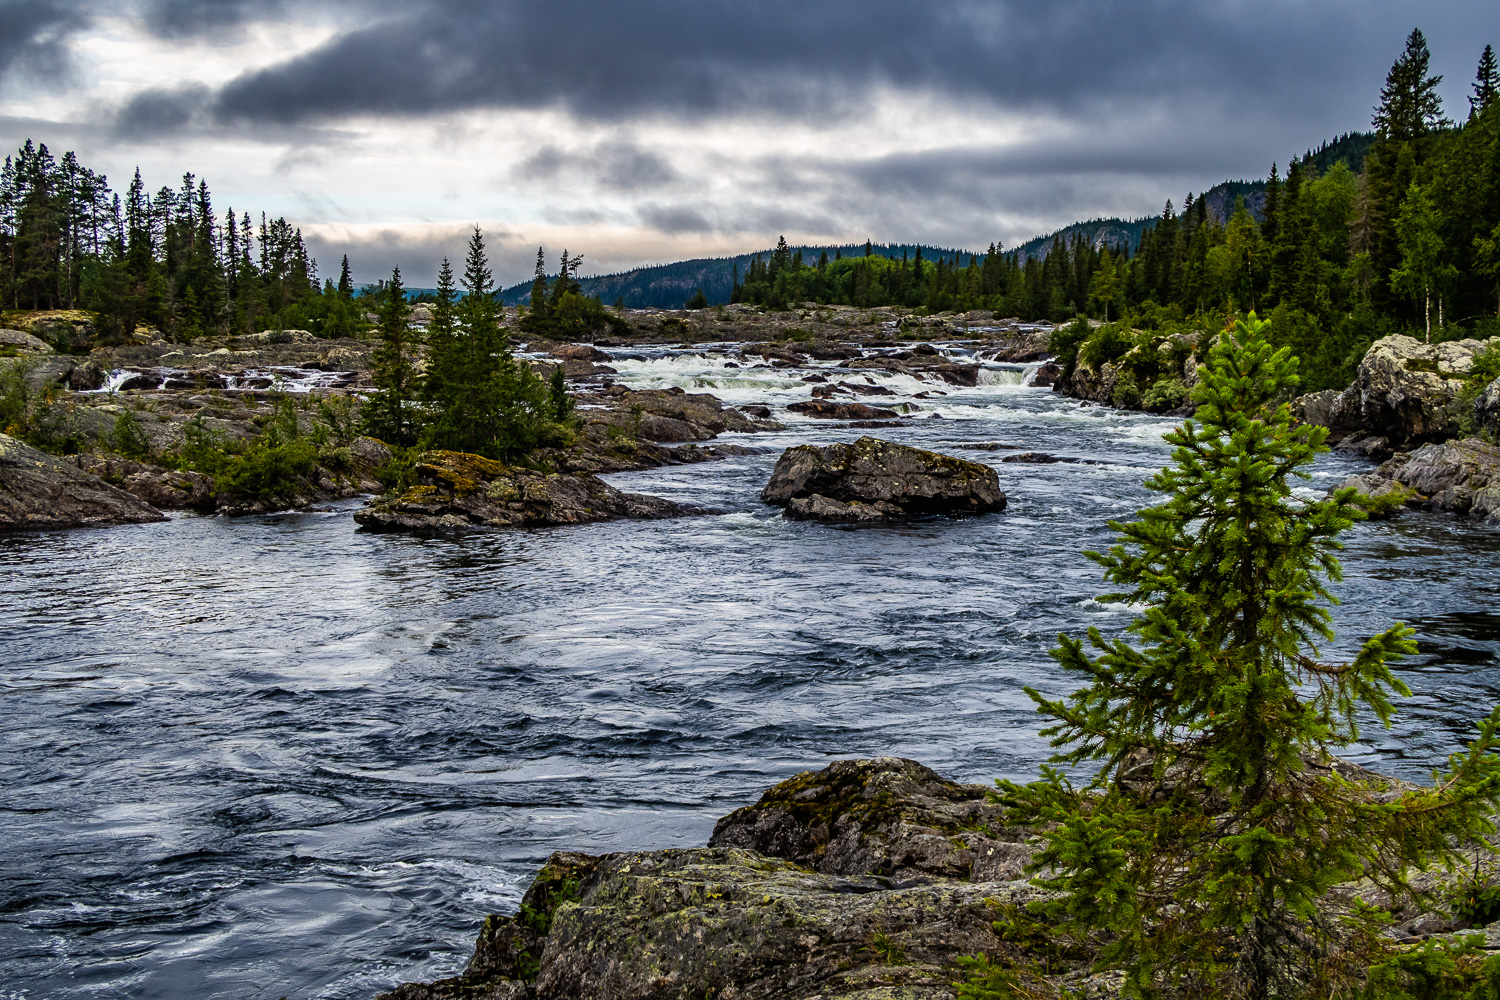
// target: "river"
[[277, 757]]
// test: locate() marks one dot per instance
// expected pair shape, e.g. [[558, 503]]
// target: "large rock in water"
[[458, 491], [867, 880], [871, 476], [38, 492], [1406, 393], [1460, 477], [884, 912]]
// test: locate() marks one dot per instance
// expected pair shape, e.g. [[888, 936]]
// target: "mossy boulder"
[[882, 816], [871, 471], [457, 491]]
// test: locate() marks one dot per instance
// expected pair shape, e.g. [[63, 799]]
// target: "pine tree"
[[1105, 287], [539, 286], [1218, 822], [482, 400], [441, 379], [1486, 83], [1409, 103], [391, 413]]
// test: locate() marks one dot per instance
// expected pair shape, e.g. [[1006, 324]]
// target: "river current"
[[278, 757]]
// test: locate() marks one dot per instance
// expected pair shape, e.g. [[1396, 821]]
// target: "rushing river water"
[[278, 757]]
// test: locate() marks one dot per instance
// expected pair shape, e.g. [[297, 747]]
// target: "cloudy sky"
[[642, 131]]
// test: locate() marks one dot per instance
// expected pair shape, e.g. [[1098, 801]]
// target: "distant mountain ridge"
[[668, 286]]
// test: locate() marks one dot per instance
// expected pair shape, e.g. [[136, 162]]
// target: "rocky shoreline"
[[1407, 399], [867, 880], [123, 413]]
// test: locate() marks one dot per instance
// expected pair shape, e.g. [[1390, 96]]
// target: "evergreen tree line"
[[165, 260], [470, 393]]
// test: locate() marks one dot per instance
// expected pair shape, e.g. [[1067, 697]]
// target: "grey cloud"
[[184, 18], [373, 254], [154, 112], [615, 164], [606, 59], [675, 219], [33, 35]]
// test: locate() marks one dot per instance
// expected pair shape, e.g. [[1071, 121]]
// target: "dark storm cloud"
[[153, 112], [607, 59], [614, 164], [32, 36], [185, 18]]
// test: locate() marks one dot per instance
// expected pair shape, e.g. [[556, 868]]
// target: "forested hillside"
[[668, 286]]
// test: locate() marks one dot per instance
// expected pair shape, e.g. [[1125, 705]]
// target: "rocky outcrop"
[[850, 882], [829, 410], [866, 880], [1459, 477], [882, 816], [1406, 393], [458, 491], [39, 492], [871, 471], [164, 489], [1487, 409], [21, 342]]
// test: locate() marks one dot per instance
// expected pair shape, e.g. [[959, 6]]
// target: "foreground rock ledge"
[[457, 491], [867, 880], [40, 492], [873, 479], [792, 900]]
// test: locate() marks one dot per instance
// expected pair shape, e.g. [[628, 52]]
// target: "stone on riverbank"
[[1405, 393], [456, 491], [829, 410], [40, 492], [871, 471], [1459, 477]]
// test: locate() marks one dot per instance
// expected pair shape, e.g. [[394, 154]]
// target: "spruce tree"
[[391, 413], [441, 379], [482, 400], [1200, 860], [539, 285], [1409, 103], [1486, 83]]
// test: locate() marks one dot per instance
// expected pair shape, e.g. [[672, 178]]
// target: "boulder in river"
[[1460, 477], [457, 491], [579, 352], [40, 492], [830, 410], [853, 881], [871, 471], [866, 880]]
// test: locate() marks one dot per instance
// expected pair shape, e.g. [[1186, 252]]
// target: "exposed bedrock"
[[1406, 393], [457, 491], [39, 491]]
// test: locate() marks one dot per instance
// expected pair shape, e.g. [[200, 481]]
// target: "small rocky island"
[[874, 480]]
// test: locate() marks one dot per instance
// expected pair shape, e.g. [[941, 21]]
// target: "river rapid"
[[277, 757]]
